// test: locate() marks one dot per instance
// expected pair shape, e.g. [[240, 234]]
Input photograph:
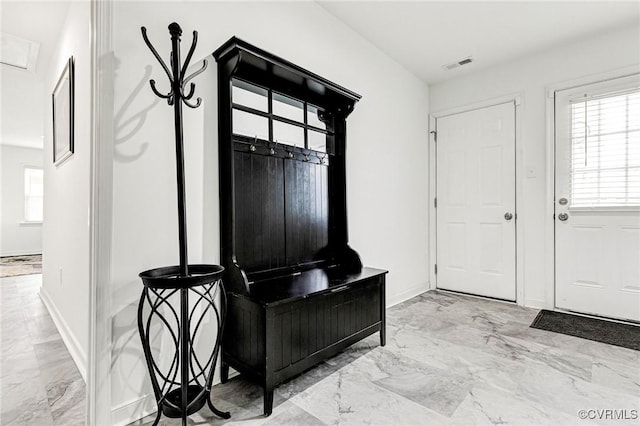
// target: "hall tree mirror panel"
[[296, 292]]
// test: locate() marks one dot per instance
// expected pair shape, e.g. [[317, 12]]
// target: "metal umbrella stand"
[[182, 383]]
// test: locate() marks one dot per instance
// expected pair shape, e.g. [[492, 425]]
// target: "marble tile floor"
[[449, 360], [40, 384]]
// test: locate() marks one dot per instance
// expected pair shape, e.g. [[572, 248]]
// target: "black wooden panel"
[[304, 333], [245, 350], [311, 324], [259, 210], [296, 334], [286, 338], [335, 320], [320, 322], [328, 314], [257, 345], [306, 210], [353, 312], [244, 331]]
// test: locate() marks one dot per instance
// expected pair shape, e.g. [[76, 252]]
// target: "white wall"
[[387, 154], [65, 287], [16, 236], [530, 78], [22, 112]]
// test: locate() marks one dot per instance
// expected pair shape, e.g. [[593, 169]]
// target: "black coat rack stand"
[[182, 375]]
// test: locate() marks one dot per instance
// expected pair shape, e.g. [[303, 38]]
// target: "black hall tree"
[[296, 292]]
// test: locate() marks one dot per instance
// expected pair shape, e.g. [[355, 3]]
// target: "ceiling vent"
[[18, 52], [460, 63]]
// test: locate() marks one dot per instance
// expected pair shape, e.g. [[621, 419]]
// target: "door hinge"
[[435, 203], [435, 135], [435, 268]]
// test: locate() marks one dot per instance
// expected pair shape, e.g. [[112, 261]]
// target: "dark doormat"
[[613, 333]]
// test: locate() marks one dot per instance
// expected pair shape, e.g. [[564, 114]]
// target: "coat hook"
[[252, 147], [175, 72], [272, 150]]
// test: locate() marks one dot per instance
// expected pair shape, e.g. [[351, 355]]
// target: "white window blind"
[[33, 194], [605, 150]]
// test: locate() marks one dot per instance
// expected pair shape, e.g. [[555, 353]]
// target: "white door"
[[597, 199], [475, 213]]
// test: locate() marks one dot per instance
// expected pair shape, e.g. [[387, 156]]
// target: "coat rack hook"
[[168, 96], [189, 55], [189, 95], [177, 79], [190, 105], [200, 71], [155, 53]]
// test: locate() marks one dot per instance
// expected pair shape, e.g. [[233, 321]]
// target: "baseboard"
[[407, 294], [133, 410], [69, 339], [20, 253]]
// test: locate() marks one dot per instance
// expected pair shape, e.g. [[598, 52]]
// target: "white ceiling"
[[420, 35], [424, 35], [23, 92], [39, 21]]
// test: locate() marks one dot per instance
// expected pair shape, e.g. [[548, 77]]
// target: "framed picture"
[[63, 115]]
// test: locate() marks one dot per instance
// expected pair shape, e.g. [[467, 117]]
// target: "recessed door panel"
[[457, 256], [491, 257], [491, 176], [456, 182], [629, 243], [587, 262]]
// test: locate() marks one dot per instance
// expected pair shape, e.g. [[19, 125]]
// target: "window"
[[605, 150], [271, 116], [33, 194]]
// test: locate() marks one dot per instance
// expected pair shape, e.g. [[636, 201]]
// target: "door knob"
[[563, 216], [508, 216]]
